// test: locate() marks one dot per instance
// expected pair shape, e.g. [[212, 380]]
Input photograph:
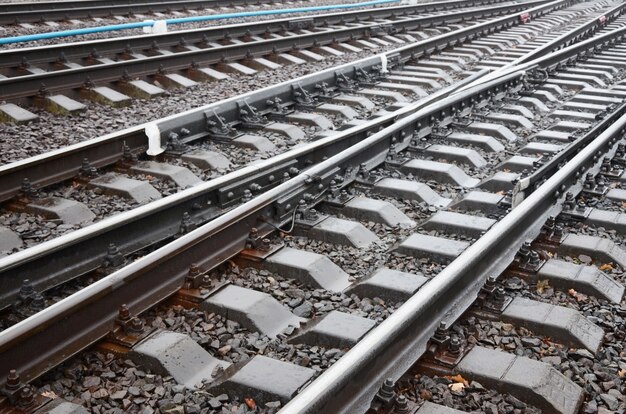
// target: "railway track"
[[54, 11], [214, 54], [128, 177], [355, 265]]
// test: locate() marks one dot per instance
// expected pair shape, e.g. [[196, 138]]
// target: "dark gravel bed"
[[105, 384], [461, 394], [602, 376]]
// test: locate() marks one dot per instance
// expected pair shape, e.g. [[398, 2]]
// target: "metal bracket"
[[217, 128], [249, 116], [303, 98]]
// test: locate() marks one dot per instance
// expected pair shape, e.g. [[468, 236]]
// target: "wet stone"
[[307, 267], [177, 80], [107, 96], [431, 408], [514, 121], [431, 247], [582, 278], [368, 209], [488, 203], [182, 176], [141, 89], [340, 231], [389, 285], [68, 211], [409, 190], [455, 154], [566, 325], [518, 163], [547, 135], [457, 223], [256, 311], [494, 130], [264, 380], [207, 160], [306, 118], [483, 142], [173, 354], [500, 181], [341, 110], [541, 148], [63, 105], [140, 191], [439, 171], [211, 74], [290, 131], [355, 101], [334, 330], [599, 249], [529, 380], [610, 220], [255, 142]]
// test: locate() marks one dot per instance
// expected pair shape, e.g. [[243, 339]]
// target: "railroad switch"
[[187, 224], [114, 257]]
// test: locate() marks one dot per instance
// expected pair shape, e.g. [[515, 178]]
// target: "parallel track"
[[423, 130]]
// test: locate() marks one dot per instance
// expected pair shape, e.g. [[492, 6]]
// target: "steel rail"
[[555, 50], [14, 58], [576, 35], [393, 345], [97, 313], [81, 319], [160, 220], [12, 89], [128, 230], [398, 342], [60, 165]]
